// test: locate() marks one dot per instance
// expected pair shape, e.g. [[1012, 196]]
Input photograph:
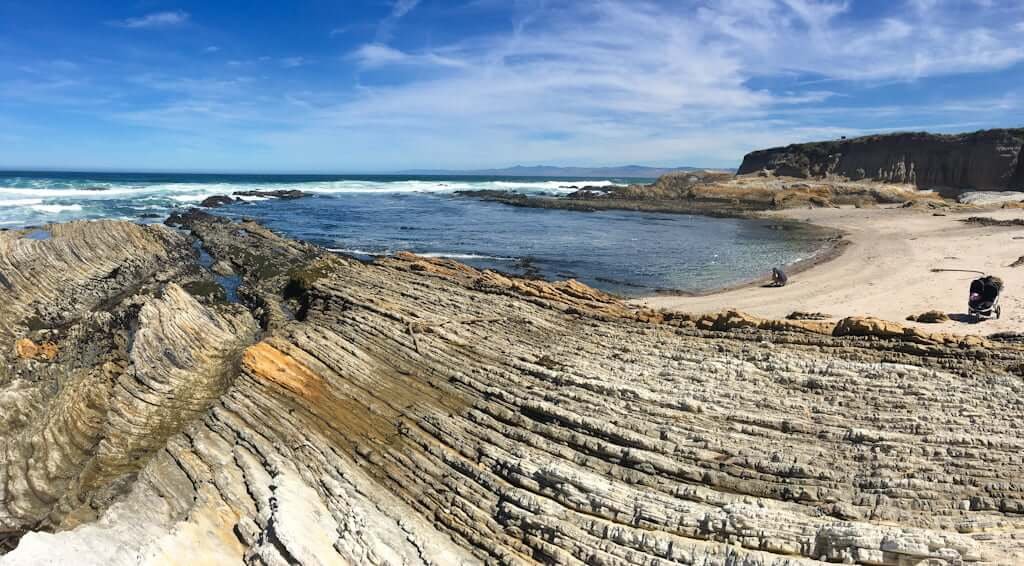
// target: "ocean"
[[627, 253]]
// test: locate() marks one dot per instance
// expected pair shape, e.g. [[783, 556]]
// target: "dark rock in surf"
[[218, 201], [283, 194], [186, 218]]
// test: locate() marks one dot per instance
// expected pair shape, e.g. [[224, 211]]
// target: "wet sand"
[[885, 270]]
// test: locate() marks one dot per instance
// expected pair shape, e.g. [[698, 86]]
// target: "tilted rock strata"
[[420, 411], [722, 194], [119, 373], [989, 159], [49, 283]]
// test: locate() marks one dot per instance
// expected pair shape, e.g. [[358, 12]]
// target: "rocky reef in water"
[[984, 160], [420, 411], [714, 193]]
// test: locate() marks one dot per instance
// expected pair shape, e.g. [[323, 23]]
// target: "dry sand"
[[885, 271]]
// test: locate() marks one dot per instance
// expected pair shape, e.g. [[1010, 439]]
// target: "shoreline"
[[834, 246], [833, 239], [142, 386], [882, 267], [886, 246], [859, 251]]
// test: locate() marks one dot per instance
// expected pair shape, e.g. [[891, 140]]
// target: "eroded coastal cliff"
[[419, 411], [984, 160]]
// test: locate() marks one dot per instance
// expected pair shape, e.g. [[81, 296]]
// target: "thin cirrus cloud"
[[652, 81], [585, 71], [398, 11], [293, 62], [375, 55], [153, 20], [574, 83]]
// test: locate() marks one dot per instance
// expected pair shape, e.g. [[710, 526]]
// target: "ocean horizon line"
[[483, 172]]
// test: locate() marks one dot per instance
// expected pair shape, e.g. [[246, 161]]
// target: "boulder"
[[868, 326], [930, 317], [217, 201]]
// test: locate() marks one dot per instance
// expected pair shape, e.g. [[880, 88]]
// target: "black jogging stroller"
[[984, 298]]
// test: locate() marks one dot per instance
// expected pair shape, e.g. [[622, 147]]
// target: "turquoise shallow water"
[[629, 253]]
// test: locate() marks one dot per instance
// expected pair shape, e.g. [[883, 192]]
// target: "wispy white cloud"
[[603, 82], [211, 49], [612, 74], [154, 20], [399, 9], [52, 66], [292, 62], [193, 87], [817, 15], [403, 7], [375, 55], [924, 38]]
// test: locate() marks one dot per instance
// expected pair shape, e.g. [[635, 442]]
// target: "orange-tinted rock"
[[26, 349]]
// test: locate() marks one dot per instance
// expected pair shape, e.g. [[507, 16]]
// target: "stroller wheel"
[[999, 311]]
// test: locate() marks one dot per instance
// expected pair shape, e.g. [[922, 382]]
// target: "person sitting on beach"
[[779, 278]]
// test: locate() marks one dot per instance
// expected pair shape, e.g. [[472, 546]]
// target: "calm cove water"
[[629, 253]]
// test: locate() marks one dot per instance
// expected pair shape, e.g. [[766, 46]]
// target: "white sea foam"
[[21, 202], [190, 198], [196, 192], [67, 198], [57, 208], [444, 255], [466, 256], [353, 251], [341, 187], [547, 185], [66, 193], [144, 207]]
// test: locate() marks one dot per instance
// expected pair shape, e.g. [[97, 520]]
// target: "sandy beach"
[[885, 271]]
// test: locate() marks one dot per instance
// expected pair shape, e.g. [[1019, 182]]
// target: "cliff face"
[[417, 411], [984, 160]]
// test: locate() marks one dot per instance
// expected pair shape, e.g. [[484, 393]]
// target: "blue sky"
[[379, 85]]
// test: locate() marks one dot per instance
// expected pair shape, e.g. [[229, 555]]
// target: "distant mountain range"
[[627, 171]]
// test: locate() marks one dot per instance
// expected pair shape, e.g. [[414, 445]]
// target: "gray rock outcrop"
[[419, 411], [984, 160]]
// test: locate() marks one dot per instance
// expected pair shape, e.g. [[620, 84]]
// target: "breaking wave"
[[38, 198], [57, 208]]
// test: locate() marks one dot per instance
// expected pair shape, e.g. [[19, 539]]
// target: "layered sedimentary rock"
[[420, 411], [984, 160], [111, 359], [717, 193]]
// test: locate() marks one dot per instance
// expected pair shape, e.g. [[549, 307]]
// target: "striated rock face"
[[984, 160], [420, 411], [123, 360], [721, 194]]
